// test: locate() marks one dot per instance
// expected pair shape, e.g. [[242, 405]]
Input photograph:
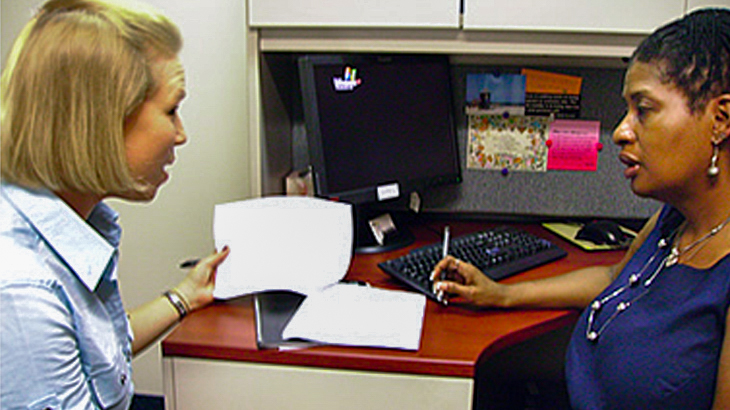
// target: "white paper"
[[354, 315], [282, 243]]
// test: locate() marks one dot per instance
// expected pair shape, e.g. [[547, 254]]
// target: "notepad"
[[355, 315], [569, 232]]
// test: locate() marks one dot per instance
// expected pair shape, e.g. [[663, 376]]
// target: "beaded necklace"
[[635, 279]]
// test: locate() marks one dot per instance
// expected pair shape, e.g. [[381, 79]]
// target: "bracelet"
[[177, 302]]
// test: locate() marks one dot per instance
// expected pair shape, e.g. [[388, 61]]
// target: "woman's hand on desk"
[[456, 277], [574, 289]]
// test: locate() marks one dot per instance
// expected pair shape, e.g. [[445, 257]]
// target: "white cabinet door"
[[194, 384], [354, 13], [695, 4], [617, 16]]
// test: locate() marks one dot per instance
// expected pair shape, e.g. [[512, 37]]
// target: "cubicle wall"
[[604, 193]]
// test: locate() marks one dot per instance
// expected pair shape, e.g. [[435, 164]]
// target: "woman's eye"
[[173, 111], [644, 107]]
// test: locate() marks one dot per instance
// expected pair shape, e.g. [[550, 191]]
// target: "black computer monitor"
[[379, 127]]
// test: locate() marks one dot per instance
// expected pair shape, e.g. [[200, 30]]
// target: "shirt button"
[[123, 379]]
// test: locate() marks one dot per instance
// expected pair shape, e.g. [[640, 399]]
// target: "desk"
[[211, 360]]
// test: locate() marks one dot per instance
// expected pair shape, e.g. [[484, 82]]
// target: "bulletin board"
[[558, 193]]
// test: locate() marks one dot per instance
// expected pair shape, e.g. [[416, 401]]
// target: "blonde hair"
[[75, 73]]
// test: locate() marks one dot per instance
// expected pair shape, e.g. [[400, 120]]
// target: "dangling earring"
[[714, 170], [718, 138]]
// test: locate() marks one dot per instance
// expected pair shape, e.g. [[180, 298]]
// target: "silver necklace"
[[674, 255], [635, 279]]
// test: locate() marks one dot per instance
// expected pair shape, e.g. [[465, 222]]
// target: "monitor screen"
[[379, 127]]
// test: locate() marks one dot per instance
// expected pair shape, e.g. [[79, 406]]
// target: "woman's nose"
[[624, 133], [182, 136]]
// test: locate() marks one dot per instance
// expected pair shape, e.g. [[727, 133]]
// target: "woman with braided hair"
[[654, 332]]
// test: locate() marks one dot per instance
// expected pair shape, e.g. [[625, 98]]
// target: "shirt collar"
[[87, 247]]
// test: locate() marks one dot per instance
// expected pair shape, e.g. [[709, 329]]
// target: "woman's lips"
[[632, 165]]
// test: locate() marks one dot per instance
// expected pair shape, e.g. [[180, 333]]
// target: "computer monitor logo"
[[348, 81]]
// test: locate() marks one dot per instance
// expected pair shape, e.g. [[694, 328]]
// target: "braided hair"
[[693, 54]]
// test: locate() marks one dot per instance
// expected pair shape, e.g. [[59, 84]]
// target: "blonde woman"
[[89, 111]]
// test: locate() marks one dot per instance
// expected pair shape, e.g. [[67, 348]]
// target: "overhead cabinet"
[[354, 13], [615, 16], [694, 4]]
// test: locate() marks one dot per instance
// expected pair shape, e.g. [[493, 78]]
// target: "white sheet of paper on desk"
[[282, 243], [353, 315]]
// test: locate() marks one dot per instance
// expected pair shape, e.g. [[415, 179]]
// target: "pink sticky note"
[[574, 145]]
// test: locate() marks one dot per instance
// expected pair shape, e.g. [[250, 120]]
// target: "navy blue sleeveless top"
[[661, 352]]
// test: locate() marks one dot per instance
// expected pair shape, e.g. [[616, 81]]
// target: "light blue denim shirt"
[[65, 341]]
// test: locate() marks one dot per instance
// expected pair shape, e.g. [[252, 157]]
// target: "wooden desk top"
[[454, 340]]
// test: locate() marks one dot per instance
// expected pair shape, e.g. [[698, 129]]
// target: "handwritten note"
[[574, 145]]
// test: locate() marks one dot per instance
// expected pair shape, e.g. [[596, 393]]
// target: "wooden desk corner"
[[455, 341]]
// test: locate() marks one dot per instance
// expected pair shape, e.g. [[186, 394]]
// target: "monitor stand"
[[365, 241]]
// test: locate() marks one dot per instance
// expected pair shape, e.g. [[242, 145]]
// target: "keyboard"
[[498, 252]]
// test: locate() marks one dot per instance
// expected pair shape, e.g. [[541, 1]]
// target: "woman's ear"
[[721, 127]]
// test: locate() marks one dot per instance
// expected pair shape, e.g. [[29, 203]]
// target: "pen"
[[189, 263], [445, 248], [444, 253]]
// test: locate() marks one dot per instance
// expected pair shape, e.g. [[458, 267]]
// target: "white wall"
[[211, 168]]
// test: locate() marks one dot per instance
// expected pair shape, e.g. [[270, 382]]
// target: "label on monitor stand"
[[389, 191]]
